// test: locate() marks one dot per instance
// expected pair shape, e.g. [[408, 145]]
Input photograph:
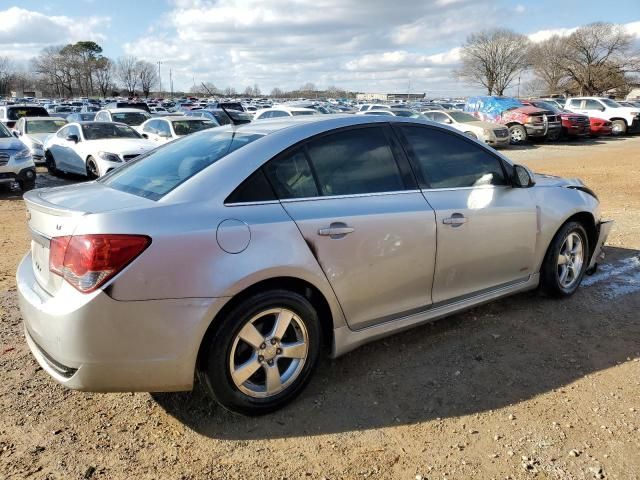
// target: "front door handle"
[[336, 230], [455, 220]]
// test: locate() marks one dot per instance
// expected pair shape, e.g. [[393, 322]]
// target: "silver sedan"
[[240, 253]]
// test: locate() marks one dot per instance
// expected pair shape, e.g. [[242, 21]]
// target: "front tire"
[[92, 168], [50, 163], [618, 127], [518, 134], [566, 261], [262, 353]]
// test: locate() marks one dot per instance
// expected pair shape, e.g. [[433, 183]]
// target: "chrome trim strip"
[[40, 238]]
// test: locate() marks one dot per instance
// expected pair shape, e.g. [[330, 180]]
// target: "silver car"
[[239, 253]]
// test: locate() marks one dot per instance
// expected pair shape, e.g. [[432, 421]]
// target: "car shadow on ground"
[[487, 358]]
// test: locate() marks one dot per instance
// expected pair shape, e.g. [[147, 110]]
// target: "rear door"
[[355, 201], [486, 229]]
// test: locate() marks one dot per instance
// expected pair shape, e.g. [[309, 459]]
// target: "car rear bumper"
[[92, 342]]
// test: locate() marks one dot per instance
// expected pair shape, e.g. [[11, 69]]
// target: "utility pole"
[[518, 96], [171, 83], [160, 77]]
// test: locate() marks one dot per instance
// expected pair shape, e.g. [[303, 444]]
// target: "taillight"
[[88, 261]]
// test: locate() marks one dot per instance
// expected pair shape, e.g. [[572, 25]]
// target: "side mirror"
[[15, 133], [144, 135], [73, 138], [522, 177], [602, 109], [447, 120]]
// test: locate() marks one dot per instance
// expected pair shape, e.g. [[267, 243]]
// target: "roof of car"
[[287, 108], [30, 119], [122, 110]]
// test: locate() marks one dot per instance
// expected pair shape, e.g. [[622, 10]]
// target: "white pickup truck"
[[624, 119]]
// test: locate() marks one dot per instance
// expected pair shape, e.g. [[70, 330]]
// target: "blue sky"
[[366, 45]]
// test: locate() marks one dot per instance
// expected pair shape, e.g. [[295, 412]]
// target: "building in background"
[[389, 97]]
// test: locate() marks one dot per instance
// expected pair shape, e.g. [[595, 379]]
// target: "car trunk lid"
[[57, 212]]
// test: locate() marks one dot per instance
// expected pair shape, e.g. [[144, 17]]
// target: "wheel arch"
[[293, 284], [613, 119], [587, 220]]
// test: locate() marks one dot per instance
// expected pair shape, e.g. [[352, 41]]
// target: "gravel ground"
[[525, 387]]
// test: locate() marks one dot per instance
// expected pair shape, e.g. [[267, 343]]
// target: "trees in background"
[[7, 70], [493, 59], [594, 59]]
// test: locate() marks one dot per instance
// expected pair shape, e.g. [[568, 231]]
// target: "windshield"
[[610, 103], [462, 117], [546, 106], [185, 127], [4, 132], [100, 131], [17, 113], [130, 118], [160, 171], [44, 126]]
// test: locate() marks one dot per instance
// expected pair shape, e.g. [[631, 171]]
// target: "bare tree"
[[148, 76], [308, 87], [547, 59], [248, 91], [256, 90], [277, 92], [127, 73], [493, 59], [7, 70], [599, 56], [103, 75]]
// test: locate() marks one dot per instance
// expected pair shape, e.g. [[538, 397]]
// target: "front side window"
[[592, 105], [278, 113], [150, 127], [303, 112], [446, 160], [63, 132], [354, 162]]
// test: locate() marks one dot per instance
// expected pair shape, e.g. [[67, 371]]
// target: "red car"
[[573, 124], [600, 126]]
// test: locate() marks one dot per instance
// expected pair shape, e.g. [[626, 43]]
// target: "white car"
[[93, 148], [275, 112], [623, 119], [134, 117], [374, 106], [490, 133], [164, 129], [34, 131]]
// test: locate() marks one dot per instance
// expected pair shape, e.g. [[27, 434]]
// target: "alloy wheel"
[[570, 260], [269, 353]]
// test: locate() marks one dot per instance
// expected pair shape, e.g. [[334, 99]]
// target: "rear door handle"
[[336, 230], [455, 220]]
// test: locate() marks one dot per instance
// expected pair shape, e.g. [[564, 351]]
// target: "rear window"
[[160, 171], [185, 127], [130, 118], [19, 112], [44, 126]]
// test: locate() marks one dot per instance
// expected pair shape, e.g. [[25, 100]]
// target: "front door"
[[367, 224], [486, 229]]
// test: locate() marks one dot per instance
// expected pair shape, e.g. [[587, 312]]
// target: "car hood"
[[124, 146], [485, 125], [40, 137], [544, 180], [11, 143]]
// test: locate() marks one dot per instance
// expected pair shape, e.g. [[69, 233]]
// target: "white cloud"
[[23, 33]]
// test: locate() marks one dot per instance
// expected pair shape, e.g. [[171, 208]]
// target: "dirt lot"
[[521, 388]]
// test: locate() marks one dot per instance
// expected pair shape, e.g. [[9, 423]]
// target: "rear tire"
[[518, 134], [249, 365], [619, 127], [566, 261]]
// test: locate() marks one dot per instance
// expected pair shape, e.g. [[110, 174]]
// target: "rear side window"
[[19, 112], [256, 188], [354, 162], [448, 161], [291, 176], [157, 173]]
